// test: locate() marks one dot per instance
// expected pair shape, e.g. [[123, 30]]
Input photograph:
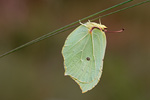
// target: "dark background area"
[[37, 72]]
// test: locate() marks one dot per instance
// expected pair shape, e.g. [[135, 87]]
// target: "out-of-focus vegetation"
[[37, 72]]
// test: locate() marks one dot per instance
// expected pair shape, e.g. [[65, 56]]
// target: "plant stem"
[[121, 10], [70, 26]]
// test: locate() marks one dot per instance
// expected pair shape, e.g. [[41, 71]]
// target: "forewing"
[[79, 45], [99, 46]]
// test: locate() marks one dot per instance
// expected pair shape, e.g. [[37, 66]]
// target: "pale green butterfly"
[[83, 54]]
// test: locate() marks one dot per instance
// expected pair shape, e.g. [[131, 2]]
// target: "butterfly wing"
[[79, 46]]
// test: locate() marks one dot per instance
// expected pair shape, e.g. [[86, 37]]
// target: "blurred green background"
[[37, 72]]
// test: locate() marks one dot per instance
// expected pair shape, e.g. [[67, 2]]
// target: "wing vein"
[[77, 42], [93, 53]]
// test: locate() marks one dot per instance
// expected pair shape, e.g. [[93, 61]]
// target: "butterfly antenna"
[[114, 31], [100, 21]]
